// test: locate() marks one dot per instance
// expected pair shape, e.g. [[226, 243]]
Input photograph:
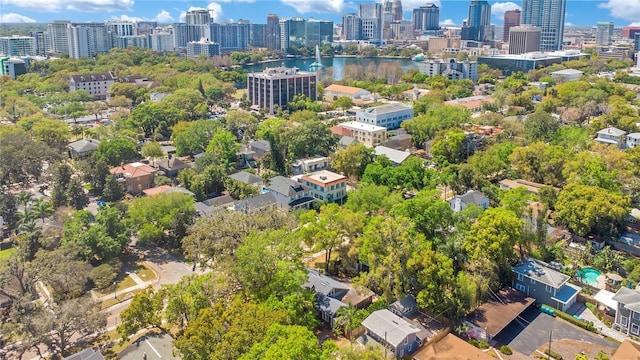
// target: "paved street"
[[155, 346], [527, 340]]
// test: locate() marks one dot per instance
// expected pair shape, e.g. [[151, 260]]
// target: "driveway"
[[169, 267], [150, 347], [527, 339]]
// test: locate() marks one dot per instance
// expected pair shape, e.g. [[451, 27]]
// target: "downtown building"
[[277, 87], [351, 27], [511, 19], [524, 39], [273, 32], [203, 47], [451, 68], [548, 15], [426, 18], [17, 46], [604, 33], [478, 27]]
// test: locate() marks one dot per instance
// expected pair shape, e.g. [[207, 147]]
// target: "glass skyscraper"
[[549, 16]]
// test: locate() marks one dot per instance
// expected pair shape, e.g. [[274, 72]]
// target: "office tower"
[[402, 30], [184, 33], [636, 43], [511, 19], [145, 27], [293, 33], [478, 27], [87, 39], [629, 31], [258, 35], [319, 32], [40, 42], [426, 17], [17, 45], [604, 33], [370, 29], [121, 28], [198, 17], [396, 10], [277, 86], [524, 39], [232, 36], [351, 27], [161, 41], [373, 10], [202, 47], [138, 41], [548, 15], [273, 32], [57, 37]]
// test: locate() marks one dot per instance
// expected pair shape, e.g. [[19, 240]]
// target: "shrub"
[[581, 323], [482, 344], [553, 354], [506, 350], [103, 275]]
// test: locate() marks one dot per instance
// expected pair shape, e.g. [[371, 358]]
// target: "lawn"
[[124, 281], [4, 254], [121, 297], [145, 273]]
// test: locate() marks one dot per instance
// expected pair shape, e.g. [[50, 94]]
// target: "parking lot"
[[526, 339], [154, 346]]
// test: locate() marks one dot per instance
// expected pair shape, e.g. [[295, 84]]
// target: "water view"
[[337, 64]]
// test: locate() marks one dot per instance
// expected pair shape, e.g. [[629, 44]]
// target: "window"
[[636, 316], [521, 287], [533, 281], [624, 321], [520, 277], [635, 329], [548, 288]]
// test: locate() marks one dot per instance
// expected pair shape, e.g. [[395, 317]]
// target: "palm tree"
[[24, 198], [42, 209], [346, 319]]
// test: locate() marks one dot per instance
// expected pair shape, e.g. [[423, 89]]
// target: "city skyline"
[[588, 13]]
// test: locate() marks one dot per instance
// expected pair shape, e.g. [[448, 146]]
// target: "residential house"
[[396, 334], [628, 350], [548, 286], [472, 197], [399, 142], [369, 135], [396, 157], [303, 166], [633, 140], [248, 178], [135, 176], [326, 185], [628, 312], [346, 141], [332, 294], [171, 166], [259, 148], [532, 187], [473, 103], [291, 194], [82, 149], [451, 347], [256, 204], [493, 316], [611, 135], [209, 206], [245, 158], [388, 116], [86, 354]]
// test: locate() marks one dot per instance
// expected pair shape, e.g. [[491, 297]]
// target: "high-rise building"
[[426, 17], [511, 19], [273, 32], [351, 27], [198, 17], [293, 33], [604, 32], [370, 29], [17, 45], [88, 39], [548, 15], [138, 41], [319, 32], [636, 43], [145, 27], [278, 86], [524, 39], [258, 35], [478, 27], [202, 47], [373, 10], [629, 31], [184, 33], [396, 10], [57, 37], [40, 41], [451, 68], [161, 41]]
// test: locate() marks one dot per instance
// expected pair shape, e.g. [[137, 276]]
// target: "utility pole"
[[549, 353]]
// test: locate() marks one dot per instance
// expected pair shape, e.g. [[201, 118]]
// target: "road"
[[150, 347]]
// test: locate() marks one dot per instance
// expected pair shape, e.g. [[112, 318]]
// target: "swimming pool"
[[589, 276]]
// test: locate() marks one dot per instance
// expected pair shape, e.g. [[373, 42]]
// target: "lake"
[[336, 63]]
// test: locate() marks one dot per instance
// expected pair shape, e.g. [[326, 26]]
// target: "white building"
[[369, 135], [18, 45], [472, 197], [87, 40], [633, 140], [450, 68], [277, 86], [566, 75], [161, 41], [97, 85], [202, 47], [326, 185], [389, 116]]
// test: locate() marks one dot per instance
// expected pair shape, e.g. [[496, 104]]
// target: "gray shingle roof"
[[92, 77], [257, 202], [171, 164], [472, 197], [263, 145], [629, 298], [384, 109], [323, 284], [405, 306], [84, 145], [389, 326], [396, 156], [539, 271], [286, 186], [246, 177], [612, 131], [219, 201]]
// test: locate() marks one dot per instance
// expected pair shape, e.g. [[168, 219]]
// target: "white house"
[[472, 197], [611, 135], [389, 116], [326, 185]]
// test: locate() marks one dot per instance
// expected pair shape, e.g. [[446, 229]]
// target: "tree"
[[223, 147], [241, 123], [590, 210], [331, 227], [113, 190], [21, 157], [540, 163], [540, 126], [240, 190], [343, 102], [346, 319], [162, 219], [431, 215], [353, 160], [370, 199], [193, 137], [101, 238], [152, 150], [448, 147], [8, 209], [143, 312], [286, 342], [42, 209], [52, 132], [76, 195], [116, 151]]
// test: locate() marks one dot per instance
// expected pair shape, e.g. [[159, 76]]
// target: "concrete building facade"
[[524, 39], [389, 116], [277, 86]]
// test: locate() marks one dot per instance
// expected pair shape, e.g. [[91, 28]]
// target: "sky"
[[452, 12]]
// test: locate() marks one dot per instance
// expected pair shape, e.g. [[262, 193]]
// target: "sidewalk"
[[140, 284], [587, 315]]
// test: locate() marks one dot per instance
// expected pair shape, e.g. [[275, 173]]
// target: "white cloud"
[[15, 18], [72, 5], [447, 22], [163, 17], [622, 9], [237, 1], [498, 9], [635, 24], [323, 6], [568, 24]]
